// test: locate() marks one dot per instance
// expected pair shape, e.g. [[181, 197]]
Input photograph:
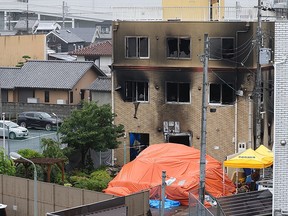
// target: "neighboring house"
[[100, 53], [51, 82], [13, 48], [158, 83], [7, 83], [26, 26], [64, 41], [87, 34], [100, 90], [44, 27]]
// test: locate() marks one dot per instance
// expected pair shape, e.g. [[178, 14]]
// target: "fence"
[[196, 207], [17, 194]]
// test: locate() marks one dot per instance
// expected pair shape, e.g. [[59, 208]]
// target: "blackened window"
[[46, 96], [178, 92], [221, 48], [136, 91], [137, 47], [178, 47], [221, 93]]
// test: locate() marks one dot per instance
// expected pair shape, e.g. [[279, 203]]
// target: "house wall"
[[101, 97], [227, 125], [54, 95], [105, 62], [89, 77], [14, 47]]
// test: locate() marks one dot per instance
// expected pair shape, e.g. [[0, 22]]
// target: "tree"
[[6, 165], [21, 63], [91, 128]]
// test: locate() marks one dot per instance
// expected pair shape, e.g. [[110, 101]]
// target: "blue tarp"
[[167, 203]]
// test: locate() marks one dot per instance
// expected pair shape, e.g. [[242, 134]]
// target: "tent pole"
[[236, 180]]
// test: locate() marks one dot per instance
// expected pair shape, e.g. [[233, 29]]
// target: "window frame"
[[178, 38], [137, 49], [133, 95], [220, 103], [178, 96], [221, 49]]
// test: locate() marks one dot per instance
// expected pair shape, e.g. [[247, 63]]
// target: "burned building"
[[157, 81]]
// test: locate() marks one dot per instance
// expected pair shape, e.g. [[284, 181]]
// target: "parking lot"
[[33, 141]]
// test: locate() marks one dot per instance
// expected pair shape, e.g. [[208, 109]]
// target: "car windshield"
[[45, 115], [11, 124]]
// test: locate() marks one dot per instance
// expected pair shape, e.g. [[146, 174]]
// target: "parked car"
[[38, 120], [13, 130]]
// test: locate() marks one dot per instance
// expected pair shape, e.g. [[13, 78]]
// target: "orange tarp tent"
[[180, 162]]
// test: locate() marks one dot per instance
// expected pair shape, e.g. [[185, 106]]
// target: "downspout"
[[236, 125], [236, 101]]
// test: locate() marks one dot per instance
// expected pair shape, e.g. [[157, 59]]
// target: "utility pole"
[[258, 85], [27, 20], [63, 15], [203, 124]]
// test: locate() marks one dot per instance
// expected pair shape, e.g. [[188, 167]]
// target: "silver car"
[[13, 129]]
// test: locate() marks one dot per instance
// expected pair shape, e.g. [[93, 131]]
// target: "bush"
[[29, 153], [97, 181]]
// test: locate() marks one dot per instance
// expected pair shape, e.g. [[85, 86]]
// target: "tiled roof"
[[87, 34], [54, 74], [22, 24], [101, 84], [99, 49], [67, 36], [8, 77]]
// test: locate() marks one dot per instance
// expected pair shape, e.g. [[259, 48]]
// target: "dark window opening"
[[138, 142], [221, 48], [178, 92], [82, 94], [71, 96], [136, 91], [137, 47], [178, 47], [46, 96], [221, 93]]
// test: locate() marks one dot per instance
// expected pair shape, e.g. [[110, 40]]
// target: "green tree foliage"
[[21, 63], [6, 165], [29, 153], [52, 149], [91, 128]]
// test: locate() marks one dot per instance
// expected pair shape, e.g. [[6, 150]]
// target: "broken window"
[[221, 48], [136, 91], [178, 92], [221, 93], [178, 47], [137, 47]]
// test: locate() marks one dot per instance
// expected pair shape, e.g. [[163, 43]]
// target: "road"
[[33, 141]]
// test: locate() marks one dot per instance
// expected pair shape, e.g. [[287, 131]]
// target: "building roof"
[[101, 84], [61, 56], [67, 36], [8, 76], [87, 34], [54, 74], [22, 24], [47, 25], [99, 49]]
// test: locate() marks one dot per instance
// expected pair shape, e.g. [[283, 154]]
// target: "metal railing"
[[196, 207]]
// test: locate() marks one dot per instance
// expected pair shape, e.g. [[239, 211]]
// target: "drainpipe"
[[236, 126], [236, 101], [250, 117]]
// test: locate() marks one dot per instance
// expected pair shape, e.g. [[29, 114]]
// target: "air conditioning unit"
[[32, 100], [61, 101]]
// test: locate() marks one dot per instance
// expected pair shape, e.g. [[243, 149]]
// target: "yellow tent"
[[249, 159], [263, 150]]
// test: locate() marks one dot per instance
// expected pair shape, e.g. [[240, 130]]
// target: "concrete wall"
[[18, 193], [14, 47], [12, 109], [280, 174]]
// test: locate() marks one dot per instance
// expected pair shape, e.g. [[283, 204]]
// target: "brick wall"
[[280, 168]]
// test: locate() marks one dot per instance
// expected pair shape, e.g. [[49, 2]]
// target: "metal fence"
[[196, 207]]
